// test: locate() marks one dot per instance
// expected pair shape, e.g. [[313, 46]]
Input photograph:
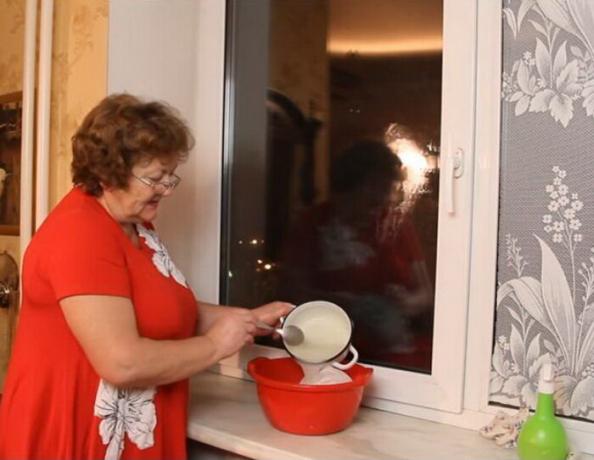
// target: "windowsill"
[[225, 413]]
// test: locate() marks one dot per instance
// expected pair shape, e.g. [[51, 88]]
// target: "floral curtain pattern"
[[556, 74], [545, 272]]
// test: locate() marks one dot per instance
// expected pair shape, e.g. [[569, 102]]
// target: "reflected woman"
[[362, 252]]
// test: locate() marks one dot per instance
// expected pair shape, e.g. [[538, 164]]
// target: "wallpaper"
[[12, 21], [545, 272], [79, 79]]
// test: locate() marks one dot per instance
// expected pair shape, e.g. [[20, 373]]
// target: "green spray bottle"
[[542, 436]]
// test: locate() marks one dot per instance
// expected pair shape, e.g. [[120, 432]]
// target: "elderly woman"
[[109, 330]]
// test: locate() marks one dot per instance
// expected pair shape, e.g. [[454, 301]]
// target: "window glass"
[[332, 164]]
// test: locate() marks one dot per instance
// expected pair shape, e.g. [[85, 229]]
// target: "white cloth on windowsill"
[[504, 429]]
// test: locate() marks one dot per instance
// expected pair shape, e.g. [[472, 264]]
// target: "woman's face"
[[140, 201]]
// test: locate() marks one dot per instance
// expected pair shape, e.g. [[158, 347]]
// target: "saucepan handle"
[[351, 363]]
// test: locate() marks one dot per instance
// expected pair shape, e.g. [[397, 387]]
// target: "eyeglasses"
[[162, 186]]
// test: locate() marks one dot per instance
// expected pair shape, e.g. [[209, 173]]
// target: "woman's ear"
[[105, 187]]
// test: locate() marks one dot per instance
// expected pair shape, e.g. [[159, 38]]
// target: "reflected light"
[[413, 160], [432, 162], [383, 48]]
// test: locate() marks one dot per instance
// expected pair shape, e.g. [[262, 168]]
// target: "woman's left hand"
[[271, 314]]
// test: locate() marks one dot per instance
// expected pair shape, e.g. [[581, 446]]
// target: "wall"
[[191, 79], [79, 65]]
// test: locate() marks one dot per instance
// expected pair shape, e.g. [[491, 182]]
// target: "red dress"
[[54, 405]]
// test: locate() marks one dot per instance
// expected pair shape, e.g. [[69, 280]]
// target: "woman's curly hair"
[[118, 133], [364, 160]]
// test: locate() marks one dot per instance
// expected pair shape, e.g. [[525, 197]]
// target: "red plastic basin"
[[306, 409]]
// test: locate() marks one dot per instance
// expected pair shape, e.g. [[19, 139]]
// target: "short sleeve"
[[86, 257]]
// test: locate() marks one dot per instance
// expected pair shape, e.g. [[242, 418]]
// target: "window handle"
[[454, 170]]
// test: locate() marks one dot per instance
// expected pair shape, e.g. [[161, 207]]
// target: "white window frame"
[[192, 231], [443, 388]]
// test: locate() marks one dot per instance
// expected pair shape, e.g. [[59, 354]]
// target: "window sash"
[[441, 389]]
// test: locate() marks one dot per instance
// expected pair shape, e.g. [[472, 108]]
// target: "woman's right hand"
[[231, 331]]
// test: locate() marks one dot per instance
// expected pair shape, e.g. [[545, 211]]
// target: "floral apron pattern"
[[125, 411], [132, 411]]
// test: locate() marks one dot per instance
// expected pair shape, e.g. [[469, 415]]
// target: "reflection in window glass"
[[331, 187]]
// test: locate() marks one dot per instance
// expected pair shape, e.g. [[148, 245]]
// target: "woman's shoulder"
[[76, 214]]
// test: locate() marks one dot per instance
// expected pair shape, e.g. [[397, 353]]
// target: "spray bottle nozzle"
[[547, 379], [547, 372]]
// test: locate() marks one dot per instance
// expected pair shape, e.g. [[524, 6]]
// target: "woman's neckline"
[[131, 233], [128, 229]]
